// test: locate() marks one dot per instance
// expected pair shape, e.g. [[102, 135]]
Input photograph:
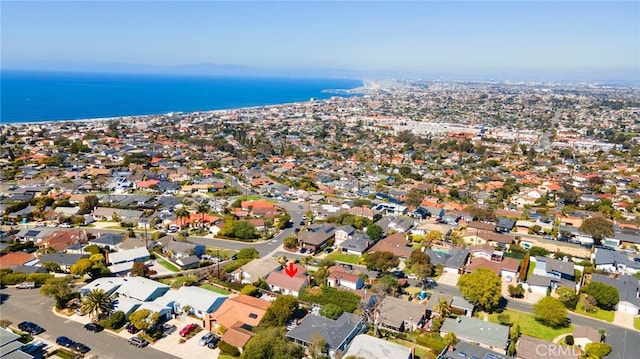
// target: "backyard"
[[530, 326], [215, 289], [168, 265]]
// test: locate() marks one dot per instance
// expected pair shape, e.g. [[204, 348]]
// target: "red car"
[[188, 329]]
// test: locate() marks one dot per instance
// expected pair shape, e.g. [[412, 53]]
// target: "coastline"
[[328, 93]]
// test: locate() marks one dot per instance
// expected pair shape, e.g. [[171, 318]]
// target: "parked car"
[[138, 342], [93, 327], [213, 343], [64, 341], [328, 250], [64, 225], [26, 285], [131, 328], [188, 329], [303, 250], [205, 339], [31, 328], [80, 348]]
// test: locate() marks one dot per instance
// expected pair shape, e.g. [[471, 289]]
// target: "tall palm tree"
[[182, 213], [96, 302], [443, 308], [203, 208]]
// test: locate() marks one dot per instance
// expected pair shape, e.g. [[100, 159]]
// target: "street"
[[30, 305]]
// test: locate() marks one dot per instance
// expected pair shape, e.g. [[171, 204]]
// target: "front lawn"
[[530, 326], [636, 323], [344, 258], [215, 289], [223, 253], [167, 265], [178, 282], [598, 313]]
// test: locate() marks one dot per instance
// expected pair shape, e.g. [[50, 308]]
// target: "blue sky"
[[428, 36]]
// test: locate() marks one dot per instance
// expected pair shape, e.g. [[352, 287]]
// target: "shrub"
[[569, 340], [38, 278], [248, 253], [228, 349], [327, 295], [235, 265], [13, 278], [433, 341]]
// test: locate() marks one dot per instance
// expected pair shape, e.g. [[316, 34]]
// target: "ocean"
[[57, 96]]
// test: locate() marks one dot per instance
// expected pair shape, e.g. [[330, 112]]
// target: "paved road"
[[29, 305], [625, 342]]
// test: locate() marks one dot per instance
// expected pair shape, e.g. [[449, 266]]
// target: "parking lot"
[[189, 349]]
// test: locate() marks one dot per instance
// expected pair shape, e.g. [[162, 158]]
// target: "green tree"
[[598, 227], [182, 214], [450, 338], [290, 242], [568, 297], [271, 343], [482, 288], [81, 267], [538, 251], [414, 197], [139, 269], [443, 308], [331, 311], [96, 303], [280, 311], [516, 291], [419, 264], [251, 290], [90, 202], [607, 296], [381, 261], [202, 209], [52, 267], [144, 319], [375, 232], [551, 312], [248, 253], [58, 288], [318, 348], [597, 350]]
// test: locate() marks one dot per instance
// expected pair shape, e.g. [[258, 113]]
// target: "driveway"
[[449, 279], [188, 349]]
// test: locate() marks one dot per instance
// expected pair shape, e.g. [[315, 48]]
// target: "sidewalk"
[[624, 320]]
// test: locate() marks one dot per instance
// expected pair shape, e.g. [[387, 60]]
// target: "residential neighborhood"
[[421, 219]]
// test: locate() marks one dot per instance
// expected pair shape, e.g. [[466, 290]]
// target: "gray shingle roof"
[[334, 332], [479, 331], [628, 287]]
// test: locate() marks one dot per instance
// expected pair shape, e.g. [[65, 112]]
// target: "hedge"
[[226, 348]]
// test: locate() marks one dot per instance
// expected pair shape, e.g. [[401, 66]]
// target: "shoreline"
[[366, 86]]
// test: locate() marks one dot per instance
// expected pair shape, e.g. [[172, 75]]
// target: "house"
[[108, 284], [140, 254], [198, 300], [241, 308], [486, 334], [337, 333], [366, 346], [395, 224], [532, 348], [452, 260], [256, 270], [125, 215], [483, 226], [15, 259], [188, 262], [64, 260], [628, 291], [505, 225], [615, 262], [279, 280], [391, 208], [61, 240], [343, 233], [396, 243], [141, 289], [35, 235], [10, 346], [316, 236], [464, 349], [357, 244], [107, 240], [177, 249], [399, 315], [561, 271], [481, 236], [505, 267], [341, 277]]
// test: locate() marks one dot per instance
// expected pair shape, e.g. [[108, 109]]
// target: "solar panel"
[[492, 356], [32, 233]]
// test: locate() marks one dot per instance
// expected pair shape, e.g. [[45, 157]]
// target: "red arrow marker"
[[291, 271]]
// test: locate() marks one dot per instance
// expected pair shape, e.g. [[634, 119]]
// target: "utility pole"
[[218, 263]]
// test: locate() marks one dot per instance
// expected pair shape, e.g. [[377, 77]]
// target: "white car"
[[64, 225]]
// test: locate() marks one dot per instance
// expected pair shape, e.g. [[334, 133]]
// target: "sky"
[[382, 36]]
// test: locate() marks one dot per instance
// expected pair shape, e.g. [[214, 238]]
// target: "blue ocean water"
[[54, 96]]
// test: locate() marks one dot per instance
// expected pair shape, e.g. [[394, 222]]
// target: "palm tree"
[[182, 213], [96, 302], [203, 208], [443, 308]]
